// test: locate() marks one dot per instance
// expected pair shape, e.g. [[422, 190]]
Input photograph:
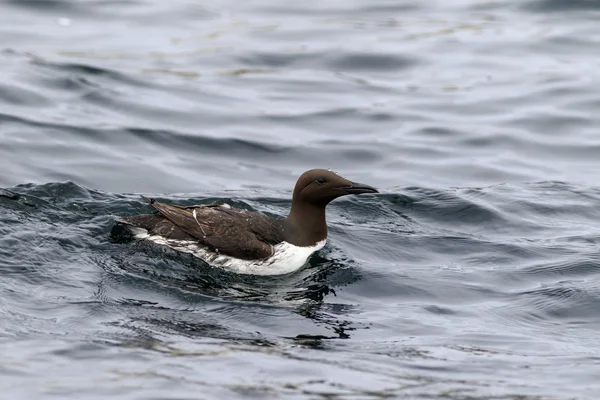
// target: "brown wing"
[[237, 233]]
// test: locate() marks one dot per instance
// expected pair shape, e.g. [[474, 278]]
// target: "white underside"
[[286, 257]]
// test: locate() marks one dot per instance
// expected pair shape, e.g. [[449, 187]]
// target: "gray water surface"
[[475, 274]]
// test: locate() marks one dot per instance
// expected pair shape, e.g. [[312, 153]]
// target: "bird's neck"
[[305, 225]]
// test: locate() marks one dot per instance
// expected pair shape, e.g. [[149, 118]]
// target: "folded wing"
[[237, 233]]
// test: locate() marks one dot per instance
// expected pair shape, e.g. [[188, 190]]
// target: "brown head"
[[305, 225]]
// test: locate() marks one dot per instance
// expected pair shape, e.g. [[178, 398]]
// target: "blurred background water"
[[474, 275]]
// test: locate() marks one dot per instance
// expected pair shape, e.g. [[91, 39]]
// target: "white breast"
[[286, 257]]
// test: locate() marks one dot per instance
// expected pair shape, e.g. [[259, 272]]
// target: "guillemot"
[[248, 242]]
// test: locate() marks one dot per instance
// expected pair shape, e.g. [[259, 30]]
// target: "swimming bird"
[[248, 242]]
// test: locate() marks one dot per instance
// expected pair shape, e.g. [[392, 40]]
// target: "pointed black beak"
[[358, 188]]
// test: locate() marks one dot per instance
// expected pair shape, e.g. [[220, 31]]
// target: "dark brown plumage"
[[215, 227], [248, 235]]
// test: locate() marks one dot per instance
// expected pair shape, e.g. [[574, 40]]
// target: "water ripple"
[[471, 275]]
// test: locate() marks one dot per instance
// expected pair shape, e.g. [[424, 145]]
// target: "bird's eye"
[[321, 180]]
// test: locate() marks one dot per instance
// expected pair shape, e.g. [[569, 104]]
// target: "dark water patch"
[[206, 144], [276, 60], [20, 96], [441, 205], [346, 113], [551, 124], [344, 62], [51, 5], [9, 194], [323, 10], [371, 62], [84, 70], [87, 10], [551, 6]]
